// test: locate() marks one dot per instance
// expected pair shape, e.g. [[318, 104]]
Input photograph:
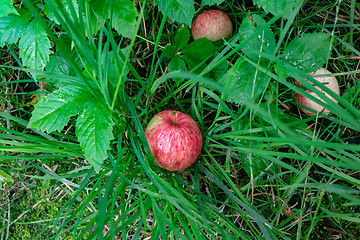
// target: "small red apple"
[[212, 24], [175, 140], [329, 81]]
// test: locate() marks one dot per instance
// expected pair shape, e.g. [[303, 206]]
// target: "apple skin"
[[175, 140], [212, 24], [329, 81]]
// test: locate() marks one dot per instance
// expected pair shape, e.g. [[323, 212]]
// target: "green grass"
[[266, 171]]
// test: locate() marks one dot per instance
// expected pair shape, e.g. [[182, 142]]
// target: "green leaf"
[[180, 11], [100, 8], [278, 7], [264, 42], [7, 8], [123, 12], [243, 82], [12, 27], [4, 177], [308, 53], [94, 130], [124, 17], [58, 64], [169, 51], [34, 47], [54, 112], [177, 64], [197, 51], [66, 5], [182, 38], [211, 2], [115, 67]]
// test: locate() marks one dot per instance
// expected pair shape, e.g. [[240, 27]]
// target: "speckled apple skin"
[[174, 146], [212, 24], [329, 81]]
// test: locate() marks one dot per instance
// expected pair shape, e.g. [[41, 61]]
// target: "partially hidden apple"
[[175, 140], [212, 24], [323, 76]]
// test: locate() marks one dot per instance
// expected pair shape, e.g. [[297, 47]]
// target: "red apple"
[[212, 24], [329, 81], [175, 140]]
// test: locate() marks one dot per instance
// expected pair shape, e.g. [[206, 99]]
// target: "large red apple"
[[328, 81], [212, 24], [174, 138]]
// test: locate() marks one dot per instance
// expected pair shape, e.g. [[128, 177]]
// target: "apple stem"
[[174, 114]]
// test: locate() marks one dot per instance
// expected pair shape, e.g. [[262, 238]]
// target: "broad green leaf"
[[12, 27], [94, 130], [54, 111], [169, 51], [180, 11], [200, 49], [264, 42], [177, 64], [101, 8], [34, 47], [182, 38], [7, 8], [66, 5], [124, 17], [114, 67], [309, 52], [123, 12], [197, 51], [243, 82], [278, 7], [58, 64], [5, 177], [211, 2]]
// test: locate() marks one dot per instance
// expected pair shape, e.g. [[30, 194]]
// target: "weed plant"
[[83, 78]]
